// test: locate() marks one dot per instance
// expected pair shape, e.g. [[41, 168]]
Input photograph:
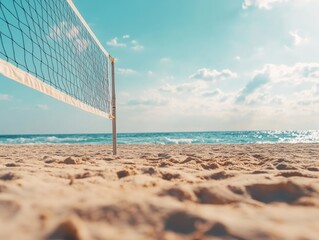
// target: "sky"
[[185, 65]]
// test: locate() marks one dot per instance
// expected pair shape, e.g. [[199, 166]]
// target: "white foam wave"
[[66, 139], [179, 141], [43, 140]]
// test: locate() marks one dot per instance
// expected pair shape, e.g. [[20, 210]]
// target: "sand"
[[159, 192]]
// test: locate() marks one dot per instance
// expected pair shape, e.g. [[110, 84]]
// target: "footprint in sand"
[[191, 158], [283, 164], [165, 163], [313, 169], [70, 160], [183, 222], [71, 229], [218, 230], [12, 165], [83, 175], [88, 175], [236, 189], [164, 155], [219, 176], [221, 231], [9, 177], [295, 174], [125, 173], [259, 172], [288, 192], [106, 213], [149, 170], [8, 209], [3, 188], [132, 214], [215, 195], [170, 176], [49, 161], [210, 166], [179, 193]]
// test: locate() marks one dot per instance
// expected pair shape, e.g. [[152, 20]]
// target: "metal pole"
[[113, 108]]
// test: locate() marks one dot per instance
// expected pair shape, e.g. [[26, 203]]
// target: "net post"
[[113, 108]]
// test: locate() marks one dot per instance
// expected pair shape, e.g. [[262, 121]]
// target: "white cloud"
[[259, 52], [262, 4], [43, 107], [126, 71], [273, 74], [295, 74], [194, 88], [168, 88], [133, 44], [271, 94], [147, 102], [308, 97], [56, 31], [148, 99], [136, 46], [298, 40], [286, 92], [260, 98], [237, 58], [71, 32], [259, 79], [213, 75], [212, 93], [5, 97], [115, 43], [269, 4], [82, 44], [165, 60]]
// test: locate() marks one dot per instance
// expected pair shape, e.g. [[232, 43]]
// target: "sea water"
[[226, 137]]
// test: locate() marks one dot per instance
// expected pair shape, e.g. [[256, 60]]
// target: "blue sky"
[[188, 65]]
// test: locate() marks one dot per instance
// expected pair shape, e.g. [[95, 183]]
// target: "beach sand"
[[268, 191]]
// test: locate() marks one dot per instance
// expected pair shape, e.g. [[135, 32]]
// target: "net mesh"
[[48, 40]]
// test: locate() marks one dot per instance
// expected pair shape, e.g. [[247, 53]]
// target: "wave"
[[179, 141], [42, 140], [248, 137]]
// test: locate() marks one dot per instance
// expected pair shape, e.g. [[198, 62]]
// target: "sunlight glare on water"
[[227, 137]]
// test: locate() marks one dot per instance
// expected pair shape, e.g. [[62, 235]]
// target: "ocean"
[[226, 137]]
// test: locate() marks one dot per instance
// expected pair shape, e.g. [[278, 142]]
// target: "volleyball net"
[[48, 46]]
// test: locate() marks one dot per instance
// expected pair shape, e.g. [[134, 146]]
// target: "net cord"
[[76, 11]]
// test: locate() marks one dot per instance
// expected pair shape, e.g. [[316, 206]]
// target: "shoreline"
[[222, 137], [156, 144], [203, 191]]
